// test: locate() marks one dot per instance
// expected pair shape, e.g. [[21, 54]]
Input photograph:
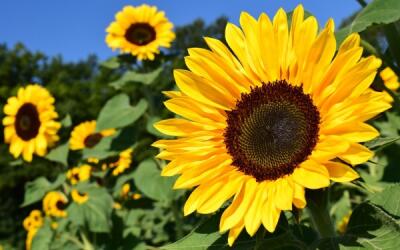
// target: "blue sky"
[[76, 28]]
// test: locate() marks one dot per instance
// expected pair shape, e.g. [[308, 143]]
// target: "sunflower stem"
[[317, 204]]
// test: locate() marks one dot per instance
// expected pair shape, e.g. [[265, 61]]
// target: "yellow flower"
[[117, 205], [268, 117], [123, 163], [79, 197], [30, 126], [84, 135], [29, 238], [32, 223], [390, 80], [54, 225], [126, 188], [136, 196], [140, 31], [79, 174], [54, 204], [342, 225], [34, 220]]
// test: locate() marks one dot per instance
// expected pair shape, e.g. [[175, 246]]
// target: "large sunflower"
[[30, 126], [282, 113], [84, 135], [140, 31]]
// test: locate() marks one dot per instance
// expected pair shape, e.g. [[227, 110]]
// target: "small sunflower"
[[277, 112], [78, 197], [124, 161], [391, 81], [140, 31], [32, 223], [126, 190], [34, 220], [54, 204], [30, 126], [84, 136], [79, 174]]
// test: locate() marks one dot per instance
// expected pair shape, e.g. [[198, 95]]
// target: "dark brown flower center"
[[140, 34], [27, 122], [272, 130], [60, 205], [92, 140]]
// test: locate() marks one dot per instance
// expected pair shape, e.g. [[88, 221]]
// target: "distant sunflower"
[[342, 224], [84, 135], [280, 114], [32, 223], [30, 126], [54, 204], [78, 174], [124, 161], [391, 81], [140, 31], [78, 197], [34, 220]]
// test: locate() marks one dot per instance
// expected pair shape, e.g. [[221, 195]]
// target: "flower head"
[[391, 81], [54, 204], [30, 126], [84, 135], [140, 31], [277, 112], [78, 197], [124, 161], [79, 174]]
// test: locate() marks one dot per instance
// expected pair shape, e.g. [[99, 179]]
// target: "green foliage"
[[119, 113], [36, 189], [377, 12]]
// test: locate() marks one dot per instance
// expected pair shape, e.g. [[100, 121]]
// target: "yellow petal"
[[311, 174], [340, 172], [356, 154]]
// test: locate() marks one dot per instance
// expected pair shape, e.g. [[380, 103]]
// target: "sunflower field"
[[267, 132]]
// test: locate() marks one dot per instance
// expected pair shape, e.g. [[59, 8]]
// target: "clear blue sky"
[[76, 28]]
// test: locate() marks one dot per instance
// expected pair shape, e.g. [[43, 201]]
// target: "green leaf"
[[111, 63], [377, 12], [35, 190], [117, 113], [149, 181], [373, 228], [95, 212], [388, 200], [381, 142], [42, 239], [59, 154], [67, 121], [132, 76]]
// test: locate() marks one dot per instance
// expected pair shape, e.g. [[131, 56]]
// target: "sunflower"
[[140, 31], [126, 190], [54, 204], [30, 126], [84, 135], [391, 81], [275, 113], [78, 197], [79, 174], [34, 220], [32, 223], [123, 162]]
